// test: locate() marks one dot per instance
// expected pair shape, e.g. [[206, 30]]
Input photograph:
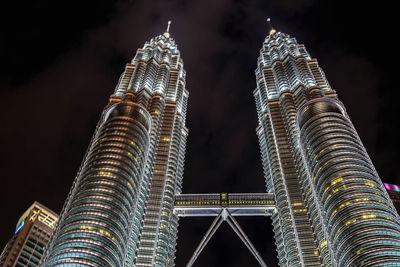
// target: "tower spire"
[[166, 33], [272, 30]]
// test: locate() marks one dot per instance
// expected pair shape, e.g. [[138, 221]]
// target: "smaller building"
[[31, 236], [394, 194]]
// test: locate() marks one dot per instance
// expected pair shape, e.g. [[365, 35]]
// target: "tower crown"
[[163, 41]]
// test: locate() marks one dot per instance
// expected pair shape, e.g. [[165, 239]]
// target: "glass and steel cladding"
[[332, 208], [362, 225], [135, 157], [158, 238]]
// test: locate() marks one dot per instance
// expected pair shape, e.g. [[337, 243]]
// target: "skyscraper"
[[332, 208], [135, 157], [33, 231]]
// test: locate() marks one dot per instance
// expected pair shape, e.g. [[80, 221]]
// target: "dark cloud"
[[60, 63], [357, 81]]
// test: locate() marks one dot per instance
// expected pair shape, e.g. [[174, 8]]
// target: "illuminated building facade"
[[327, 203], [332, 208], [33, 231], [135, 159], [394, 194]]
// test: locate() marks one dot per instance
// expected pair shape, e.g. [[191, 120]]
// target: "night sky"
[[60, 61]]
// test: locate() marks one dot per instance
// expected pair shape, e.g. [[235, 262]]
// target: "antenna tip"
[[272, 31], [166, 33]]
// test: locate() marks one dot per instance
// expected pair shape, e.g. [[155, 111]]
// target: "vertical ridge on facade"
[[120, 209], [332, 208]]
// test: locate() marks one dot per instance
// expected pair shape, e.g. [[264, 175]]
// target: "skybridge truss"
[[224, 207]]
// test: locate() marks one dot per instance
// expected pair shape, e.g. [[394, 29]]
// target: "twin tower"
[[329, 206]]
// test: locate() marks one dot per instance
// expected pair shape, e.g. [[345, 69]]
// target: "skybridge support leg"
[[211, 231], [239, 231]]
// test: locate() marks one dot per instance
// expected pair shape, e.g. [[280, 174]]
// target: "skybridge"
[[224, 207], [238, 204]]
